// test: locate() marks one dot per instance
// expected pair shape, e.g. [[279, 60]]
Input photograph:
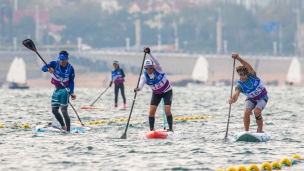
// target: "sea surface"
[[198, 143]]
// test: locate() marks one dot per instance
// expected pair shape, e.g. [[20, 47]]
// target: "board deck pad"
[[57, 128], [251, 137], [92, 108]]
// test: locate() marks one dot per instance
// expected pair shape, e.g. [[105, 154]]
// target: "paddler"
[[118, 77], [60, 98], [155, 77], [252, 87]]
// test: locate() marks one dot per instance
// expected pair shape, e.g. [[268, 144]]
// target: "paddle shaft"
[[62, 85], [226, 136], [164, 113], [99, 96], [124, 135]]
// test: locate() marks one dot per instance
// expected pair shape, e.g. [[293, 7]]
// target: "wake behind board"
[[161, 134], [57, 128], [92, 108], [251, 137]]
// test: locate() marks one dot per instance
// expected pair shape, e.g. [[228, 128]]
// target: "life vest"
[[256, 92], [160, 84], [117, 76], [64, 77]]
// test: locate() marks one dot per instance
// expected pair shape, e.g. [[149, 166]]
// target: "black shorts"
[[156, 98]]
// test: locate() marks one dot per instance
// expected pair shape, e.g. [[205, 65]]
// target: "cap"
[[115, 62], [63, 56], [148, 64]]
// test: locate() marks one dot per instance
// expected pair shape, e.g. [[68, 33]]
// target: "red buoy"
[[158, 134]]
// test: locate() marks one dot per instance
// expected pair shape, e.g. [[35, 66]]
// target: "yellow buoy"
[[96, 122], [19, 125], [91, 123], [196, 117], [285, 162], [116, 120], [241, 168], [186, 118], [122, 119], [296, 156], [161, 119], [133, 119], [266, 166], [253, 167], [190, 118], [220, 170], [202, 117], [1, 126], [231, 168], [176, 119], [211, 116], [26, 126], [77, 122], [102, 121], [182, 119], [12, 126], [206, 116], [275, 165]]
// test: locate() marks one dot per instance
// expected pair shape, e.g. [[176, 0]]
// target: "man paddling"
[[252, 87], [155, 77], [60, 98]]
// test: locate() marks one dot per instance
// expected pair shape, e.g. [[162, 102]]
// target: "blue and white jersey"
[[256, 91], [160, 84]]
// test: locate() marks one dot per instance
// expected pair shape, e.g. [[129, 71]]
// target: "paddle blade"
[[28, 43], [124, 136]]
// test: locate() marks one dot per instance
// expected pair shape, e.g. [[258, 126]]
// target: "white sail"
[[294, 74], [17, 71], [201, 70]]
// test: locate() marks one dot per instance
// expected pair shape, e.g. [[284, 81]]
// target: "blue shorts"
[[60, 97]]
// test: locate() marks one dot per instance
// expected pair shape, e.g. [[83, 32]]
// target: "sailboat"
[[294, 74], [200, 71], [16, 76]]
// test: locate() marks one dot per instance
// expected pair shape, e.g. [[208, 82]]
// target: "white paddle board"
[[57, 128], [251, 137]]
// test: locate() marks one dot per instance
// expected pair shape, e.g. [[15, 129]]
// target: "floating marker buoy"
[[19, 125], [253, 167], [241, 168], [275, 165], [96, 122], [102, 121], [202, 117], [296, 156], [231, 168], [1, 126], [116, 120], [266, 166], [186, 118], [182, 119], [196, 117], [161, 119], [220, 170], [285, 162], [12, 126], [91, 123], [190, 118], [211, 116], [176, 119], [26, 126], [121, 119]]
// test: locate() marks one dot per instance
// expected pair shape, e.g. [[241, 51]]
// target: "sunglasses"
[[148, 68], [242, 74]]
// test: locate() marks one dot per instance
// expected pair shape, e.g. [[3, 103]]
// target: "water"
[[198, 146]]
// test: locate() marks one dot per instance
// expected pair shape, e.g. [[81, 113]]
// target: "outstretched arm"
[[235, 97], [244, 63], [157, 65]]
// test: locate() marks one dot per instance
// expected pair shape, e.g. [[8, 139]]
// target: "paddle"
[[164, 113], [100, 96], [226, 136], [124, 135], [28, 43]]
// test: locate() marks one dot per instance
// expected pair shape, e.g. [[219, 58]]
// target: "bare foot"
[[64, 128]]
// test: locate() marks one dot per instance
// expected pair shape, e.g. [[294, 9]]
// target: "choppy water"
[[198, 147]]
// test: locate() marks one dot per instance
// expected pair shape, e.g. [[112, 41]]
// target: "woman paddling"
[[252, 87], [118, 76], [155, 77]]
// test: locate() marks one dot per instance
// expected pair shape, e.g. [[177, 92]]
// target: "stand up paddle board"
[[251, 137], [57, 128], [162, 134], [92, 108]]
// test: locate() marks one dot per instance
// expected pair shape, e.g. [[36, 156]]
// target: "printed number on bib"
[[158, 85]]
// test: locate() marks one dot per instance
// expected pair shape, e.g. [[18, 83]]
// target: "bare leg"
[[247, 113], [258, 113]]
